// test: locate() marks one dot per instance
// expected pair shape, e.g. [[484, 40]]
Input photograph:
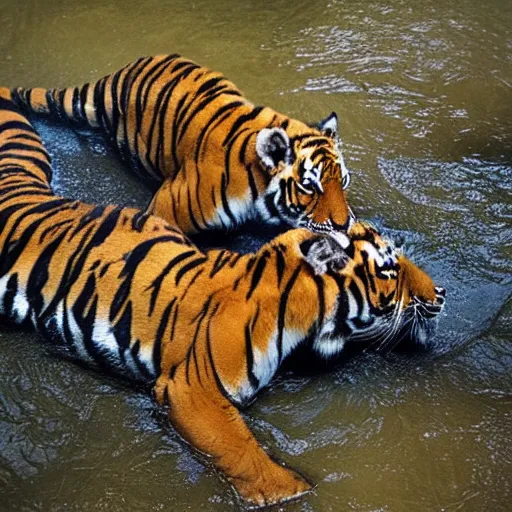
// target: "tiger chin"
[[129, 293], [217, 159]]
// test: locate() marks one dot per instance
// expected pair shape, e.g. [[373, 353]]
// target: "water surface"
[[423, 90]]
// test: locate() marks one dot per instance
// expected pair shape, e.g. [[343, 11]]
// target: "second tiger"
[[218, 159]]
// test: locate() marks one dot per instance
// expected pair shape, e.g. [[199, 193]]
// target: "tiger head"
[[308, 176], [383, 299]]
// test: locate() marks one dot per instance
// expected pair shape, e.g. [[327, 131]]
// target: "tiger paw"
[[273, 486]]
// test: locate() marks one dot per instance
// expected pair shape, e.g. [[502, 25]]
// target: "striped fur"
[[129, 293], [218, 159]]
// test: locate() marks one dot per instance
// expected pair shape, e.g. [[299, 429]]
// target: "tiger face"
[[384, 300], [309, 178]]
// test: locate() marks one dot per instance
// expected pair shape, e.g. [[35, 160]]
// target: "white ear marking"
[[272, 146], [329, 125]]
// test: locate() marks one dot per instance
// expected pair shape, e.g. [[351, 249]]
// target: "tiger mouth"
[[428, 309], [420, 321], [406, 328], [319, 227], [329, 226]]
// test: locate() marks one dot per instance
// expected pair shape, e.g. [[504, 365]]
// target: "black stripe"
[[315, 141], [60, 105], [10, 293], [132, 261], [341, 328], [218, 117], [83, 102], [157, 282], [21, 146], [220, 263], [321, 300], [257, 274], [248, 167], [239, 122], [192, 281], [280, 263], [33, 137], [249, 355], [358, 296], [192, 349], [157, 343], [161, 68], [39, 274], [90, 217], [139, 221], [217, 261], [143, 370], [159, 115], [52, 228], [216, 377], [163, 110], [199, 107], [114, 113], [76, 105], [138, 253], [67, 337], [151, 76], [99, 107], [174, 321], [18, 125], [224, 199], [192, 217], [271, 206], [234, 261], [88, 301], [282, 312], [188, 267], [9, 105], [122, 331], [17, 98], [51, 104]]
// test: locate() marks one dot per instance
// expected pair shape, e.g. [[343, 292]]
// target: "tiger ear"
[[273, 146], [324, 253], [329, 125]]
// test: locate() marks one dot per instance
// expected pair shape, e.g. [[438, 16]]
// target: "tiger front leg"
[[212, 425]]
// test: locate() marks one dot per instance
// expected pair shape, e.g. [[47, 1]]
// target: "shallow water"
[[424, 94]]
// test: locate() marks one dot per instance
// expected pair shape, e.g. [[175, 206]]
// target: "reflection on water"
[[423, 90]]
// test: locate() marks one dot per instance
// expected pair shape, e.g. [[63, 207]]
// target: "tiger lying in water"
[[218, 159], [129, 293]]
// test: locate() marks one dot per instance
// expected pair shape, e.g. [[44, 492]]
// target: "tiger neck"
[[271, 313]]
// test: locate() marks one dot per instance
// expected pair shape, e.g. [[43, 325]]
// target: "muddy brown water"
[[424, 94]]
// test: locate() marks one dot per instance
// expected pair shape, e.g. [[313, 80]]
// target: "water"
[[424, 94]]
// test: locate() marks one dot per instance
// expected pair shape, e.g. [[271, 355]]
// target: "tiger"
[[130, 294], [217, 159]]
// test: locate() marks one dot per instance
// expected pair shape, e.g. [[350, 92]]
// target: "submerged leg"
[[212, 425]]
